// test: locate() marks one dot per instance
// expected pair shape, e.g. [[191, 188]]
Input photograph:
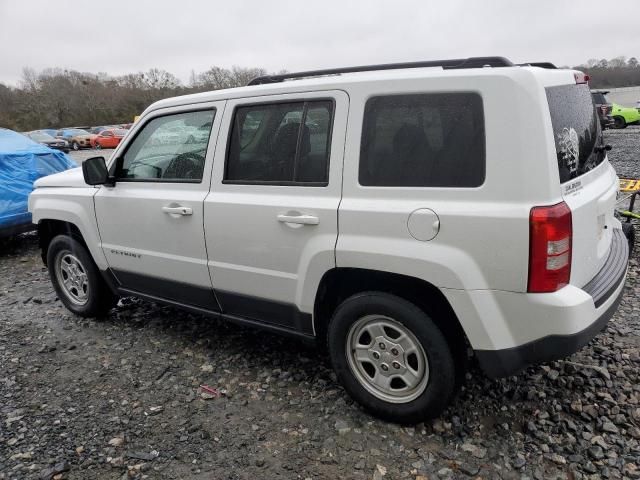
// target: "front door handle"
[[178, 210], [299, 219]]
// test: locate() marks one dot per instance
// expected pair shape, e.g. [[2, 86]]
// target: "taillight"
[[581, 77], [550, 233]]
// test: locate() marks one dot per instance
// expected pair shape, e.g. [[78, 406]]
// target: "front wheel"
[[76, 278], [619, 122], [391, 357], [75, 146], [98, 146]]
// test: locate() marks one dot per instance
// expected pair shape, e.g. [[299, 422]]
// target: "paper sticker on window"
[[569, 148]]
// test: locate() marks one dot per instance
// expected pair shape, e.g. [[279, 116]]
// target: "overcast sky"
[[117, 37]]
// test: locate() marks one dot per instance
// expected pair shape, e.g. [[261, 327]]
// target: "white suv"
[[401, 215]]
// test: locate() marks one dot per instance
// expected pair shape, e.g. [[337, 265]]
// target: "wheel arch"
[[340, 283], [48, 229]]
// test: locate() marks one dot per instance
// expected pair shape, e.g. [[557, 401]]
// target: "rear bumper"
[[605, 292]]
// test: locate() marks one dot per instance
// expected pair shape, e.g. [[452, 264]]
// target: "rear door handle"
[[300, 219], [178, 210]]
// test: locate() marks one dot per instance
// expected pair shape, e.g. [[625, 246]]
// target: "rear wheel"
[[391, 357], [619, 122], [76, 278]]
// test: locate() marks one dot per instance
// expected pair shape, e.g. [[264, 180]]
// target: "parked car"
[[22, 161], [396, 233], [623, 116], [603, 108], [97, 130], [49, 131], [108, 138], [51, 142], [77, 138]]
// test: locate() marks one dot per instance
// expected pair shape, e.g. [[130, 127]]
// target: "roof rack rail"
[[548, 65], [472, 62]]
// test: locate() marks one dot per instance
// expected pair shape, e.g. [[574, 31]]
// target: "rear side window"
[[576, 130], [423, 140], [280, 144]]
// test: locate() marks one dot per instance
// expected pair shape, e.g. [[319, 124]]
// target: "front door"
[[151, 221], [272, 215]]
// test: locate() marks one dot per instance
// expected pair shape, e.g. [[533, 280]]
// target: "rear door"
[[589, 183], [271, 219]]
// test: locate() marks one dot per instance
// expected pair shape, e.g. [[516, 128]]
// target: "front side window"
[[170, 148], [280, 143], [423, 140]]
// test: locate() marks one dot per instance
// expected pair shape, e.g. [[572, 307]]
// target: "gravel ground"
[[119, 398], [625, 154]]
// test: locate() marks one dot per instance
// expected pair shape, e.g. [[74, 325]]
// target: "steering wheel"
[[138, 163], [187, 165]]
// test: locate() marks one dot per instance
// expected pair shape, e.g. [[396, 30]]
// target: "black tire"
[[100, 299], [630, 233], [441, 383], [98, 146], [75, 146], [619, 122]]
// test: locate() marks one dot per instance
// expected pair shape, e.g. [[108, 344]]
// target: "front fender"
[[72, 205]]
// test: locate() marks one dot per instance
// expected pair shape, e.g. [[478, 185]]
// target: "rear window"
[[576, 130], [599, 98], [423, 140]]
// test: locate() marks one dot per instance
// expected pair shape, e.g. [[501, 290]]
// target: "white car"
[[426, 211]]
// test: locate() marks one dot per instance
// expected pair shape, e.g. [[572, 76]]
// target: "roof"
[[337, 79]]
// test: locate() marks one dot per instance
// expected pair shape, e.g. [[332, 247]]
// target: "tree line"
[[617, 72], [55, 98]]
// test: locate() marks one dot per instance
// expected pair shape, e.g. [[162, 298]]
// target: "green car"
[[623, 116]]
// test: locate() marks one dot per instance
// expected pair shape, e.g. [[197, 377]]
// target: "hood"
[[85, 136], [69, 178]]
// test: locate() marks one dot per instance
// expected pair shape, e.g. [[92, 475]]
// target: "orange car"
[[108, 138]]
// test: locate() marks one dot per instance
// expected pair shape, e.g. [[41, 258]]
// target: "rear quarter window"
[[423, 140], [576, 130]]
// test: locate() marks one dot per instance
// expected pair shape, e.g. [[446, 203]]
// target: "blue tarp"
[[22, 162]]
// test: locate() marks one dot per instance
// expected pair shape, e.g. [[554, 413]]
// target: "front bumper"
[[605, 290]]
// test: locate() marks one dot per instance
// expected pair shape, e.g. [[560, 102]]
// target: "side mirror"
[[95, 172]]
